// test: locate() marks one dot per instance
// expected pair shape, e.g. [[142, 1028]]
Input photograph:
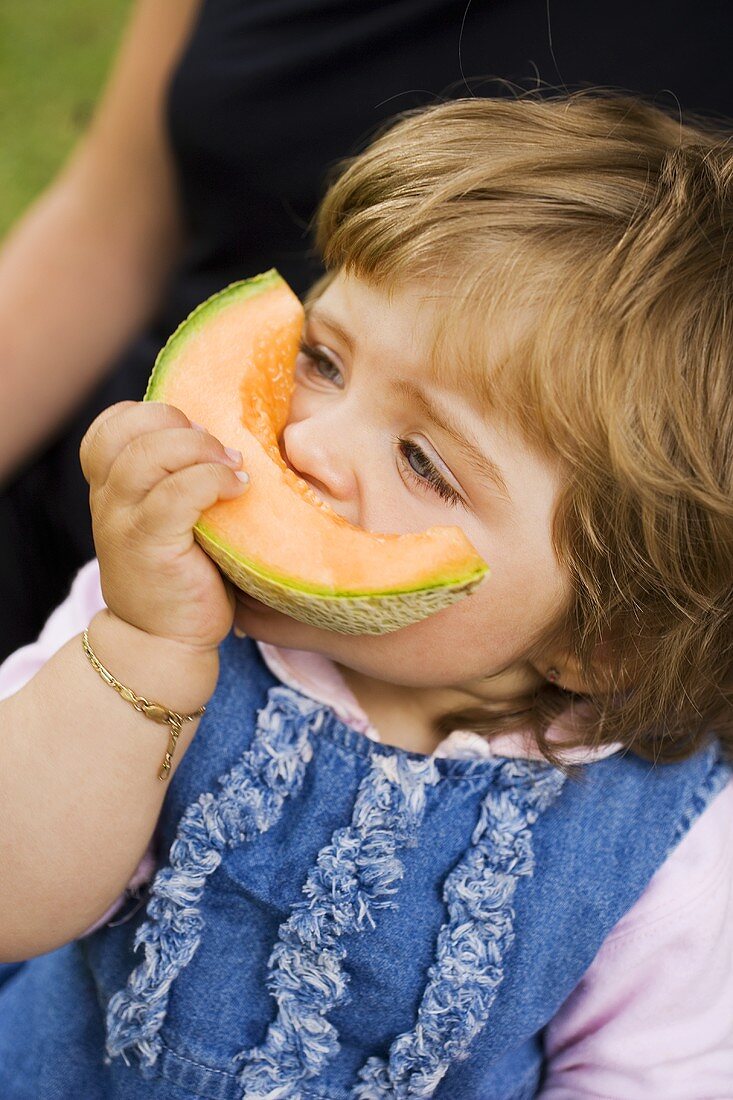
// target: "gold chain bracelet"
[[155, 711]]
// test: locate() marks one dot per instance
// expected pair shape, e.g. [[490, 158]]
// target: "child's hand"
[[150, 475]]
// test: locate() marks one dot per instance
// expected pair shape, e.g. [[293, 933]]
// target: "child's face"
[[343, 436]]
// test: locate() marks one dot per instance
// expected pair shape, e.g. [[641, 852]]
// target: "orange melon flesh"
[[230, 368]]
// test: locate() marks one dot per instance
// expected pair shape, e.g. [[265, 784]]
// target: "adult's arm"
[[84, 268]]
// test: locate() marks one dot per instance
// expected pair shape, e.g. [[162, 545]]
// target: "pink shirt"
[[652, 1018]]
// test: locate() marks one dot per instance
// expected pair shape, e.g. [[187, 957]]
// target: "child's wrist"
[[172, 673]]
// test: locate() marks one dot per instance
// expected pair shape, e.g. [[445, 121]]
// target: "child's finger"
[[85, 448], [117, 426], [173, 506], [149, 458]]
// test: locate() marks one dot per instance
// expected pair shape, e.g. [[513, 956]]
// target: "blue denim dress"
[[336, 919]]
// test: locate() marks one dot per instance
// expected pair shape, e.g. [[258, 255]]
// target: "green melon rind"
[[245, 288], [280, 580], [348, 613]]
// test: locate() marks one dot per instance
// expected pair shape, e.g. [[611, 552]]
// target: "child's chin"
[[263, 623], [250, 602], [260, 621]]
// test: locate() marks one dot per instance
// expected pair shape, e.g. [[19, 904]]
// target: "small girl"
[[482, 857]]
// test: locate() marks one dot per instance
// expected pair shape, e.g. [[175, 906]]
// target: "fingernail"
[[236, 456], [243, 477]]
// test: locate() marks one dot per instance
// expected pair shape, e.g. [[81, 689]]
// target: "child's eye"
[[321, 362], [421, 470]]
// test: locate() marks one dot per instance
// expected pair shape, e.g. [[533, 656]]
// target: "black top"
[[268, 95], [271, 93]]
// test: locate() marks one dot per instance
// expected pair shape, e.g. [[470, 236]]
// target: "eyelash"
[[433, 478], [407, 447]]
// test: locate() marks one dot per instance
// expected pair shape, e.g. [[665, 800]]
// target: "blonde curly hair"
[[607, 225]]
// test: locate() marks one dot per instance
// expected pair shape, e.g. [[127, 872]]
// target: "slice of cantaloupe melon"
[[230, 367]]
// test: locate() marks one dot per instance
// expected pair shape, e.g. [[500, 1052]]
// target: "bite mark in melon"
[[230, 367]]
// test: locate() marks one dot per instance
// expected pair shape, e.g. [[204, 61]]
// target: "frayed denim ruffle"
[[354, 876], [250, 801], [469, 968]]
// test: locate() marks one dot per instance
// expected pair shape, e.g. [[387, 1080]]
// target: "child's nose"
[[324, 457]]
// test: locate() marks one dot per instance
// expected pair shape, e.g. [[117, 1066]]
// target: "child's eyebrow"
[[468, 446], [312, 312]]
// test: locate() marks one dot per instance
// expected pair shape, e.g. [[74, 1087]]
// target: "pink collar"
[[317, 676]]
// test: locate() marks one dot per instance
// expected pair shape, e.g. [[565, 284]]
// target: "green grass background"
[[54, 57]]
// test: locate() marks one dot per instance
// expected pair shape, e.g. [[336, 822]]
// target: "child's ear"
[[564, 669]]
